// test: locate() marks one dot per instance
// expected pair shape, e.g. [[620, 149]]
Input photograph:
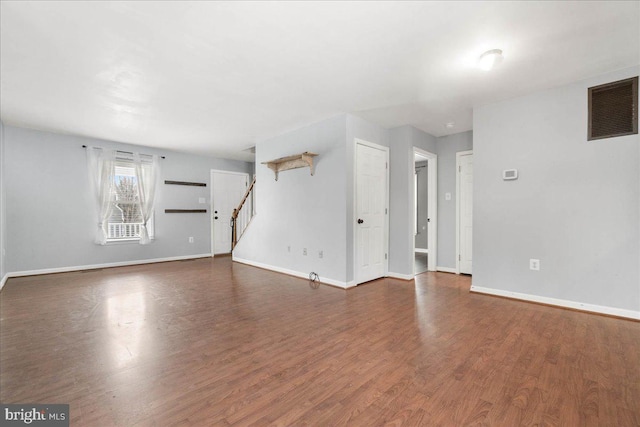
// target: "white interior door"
[[371, 205], [465, 209], [227, 189]]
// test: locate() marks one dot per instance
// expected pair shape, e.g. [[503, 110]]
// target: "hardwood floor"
[[420, 263], [213, 343]]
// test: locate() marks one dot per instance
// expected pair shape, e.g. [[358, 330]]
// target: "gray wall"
[[448, 146], [3, 227], [299, 210], [294, 220], [422, 215], [400, 193], [49, 214], [575, 205]]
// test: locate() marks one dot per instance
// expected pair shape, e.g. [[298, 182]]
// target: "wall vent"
[[613, 109]]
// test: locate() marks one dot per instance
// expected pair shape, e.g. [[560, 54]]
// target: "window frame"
[[127, 163]]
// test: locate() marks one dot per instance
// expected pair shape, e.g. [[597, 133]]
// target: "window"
[[124, 186], [126, 217], [613, 109]]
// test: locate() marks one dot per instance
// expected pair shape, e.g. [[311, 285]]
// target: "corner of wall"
[[2, 209]]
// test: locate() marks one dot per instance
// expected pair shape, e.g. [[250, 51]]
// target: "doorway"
[[371, 211], [227, 190], [425, 211], [464, 211]]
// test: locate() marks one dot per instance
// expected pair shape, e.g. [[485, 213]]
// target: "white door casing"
[[227, 190], [432, 208], [464, 180], [371, 211]]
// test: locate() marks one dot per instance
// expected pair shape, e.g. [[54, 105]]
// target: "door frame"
[[432, 208], [356, 142], [211, 203], [459, 154]]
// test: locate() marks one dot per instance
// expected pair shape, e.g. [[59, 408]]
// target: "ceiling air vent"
[[613, 109]]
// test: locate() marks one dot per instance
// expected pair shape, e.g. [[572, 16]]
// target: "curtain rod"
[[128, 152]]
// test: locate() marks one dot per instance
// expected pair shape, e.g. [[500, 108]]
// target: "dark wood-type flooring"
[[214, 343]]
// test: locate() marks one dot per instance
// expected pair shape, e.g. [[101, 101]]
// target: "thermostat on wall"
[[510, 174]]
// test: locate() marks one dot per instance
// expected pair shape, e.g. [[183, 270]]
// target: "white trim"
[[459, 154], [97, 266], [400, 276], [357, 141], [447, 270], [294, 273], [612, 311], [3, 281], [421, 251], [432, 205], [211, 211]]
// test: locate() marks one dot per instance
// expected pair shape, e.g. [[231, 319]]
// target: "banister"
[[236, 212], [244, 199]]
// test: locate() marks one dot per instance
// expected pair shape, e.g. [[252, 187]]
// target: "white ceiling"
[[215, 77]]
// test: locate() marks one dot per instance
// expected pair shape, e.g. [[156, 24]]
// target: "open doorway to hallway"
[[424, 208]]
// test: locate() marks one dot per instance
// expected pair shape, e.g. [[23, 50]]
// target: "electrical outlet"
[[534, 264], [304, 251], [320, 254], [190, 239]]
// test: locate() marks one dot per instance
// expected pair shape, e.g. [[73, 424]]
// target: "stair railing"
[[235, 235]]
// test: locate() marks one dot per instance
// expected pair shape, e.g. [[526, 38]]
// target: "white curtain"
[[147, 172], [101, 164]]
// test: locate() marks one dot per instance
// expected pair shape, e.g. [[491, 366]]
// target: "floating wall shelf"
[[185, 211], [291, 162], [191, 184]]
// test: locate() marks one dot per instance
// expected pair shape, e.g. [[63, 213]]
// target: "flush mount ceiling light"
[[489, 59], [449, 125]]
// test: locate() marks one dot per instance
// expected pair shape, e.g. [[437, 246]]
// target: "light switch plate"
[[447, 196], [202, 200]]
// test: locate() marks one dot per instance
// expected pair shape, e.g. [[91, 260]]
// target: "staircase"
[[242, 215]]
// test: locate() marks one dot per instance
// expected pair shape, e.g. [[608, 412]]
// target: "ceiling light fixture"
[[449, 125], [489, 59]]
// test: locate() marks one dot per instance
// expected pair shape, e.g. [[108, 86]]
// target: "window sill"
[[124, 241]]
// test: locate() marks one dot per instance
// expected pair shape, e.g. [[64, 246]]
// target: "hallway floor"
[[420, 262]]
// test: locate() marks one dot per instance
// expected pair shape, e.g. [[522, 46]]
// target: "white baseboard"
[[447, 270], [612, 311], [3, 281], [97, 266], [344, 285], [400, 276], [422, 251]]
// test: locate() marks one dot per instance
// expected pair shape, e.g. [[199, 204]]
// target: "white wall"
[[299, 210], [575, 206], [49, 217], [448, 146]]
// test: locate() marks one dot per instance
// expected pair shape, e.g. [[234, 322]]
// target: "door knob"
[[216, 212], [215, 217], [360, 221]]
